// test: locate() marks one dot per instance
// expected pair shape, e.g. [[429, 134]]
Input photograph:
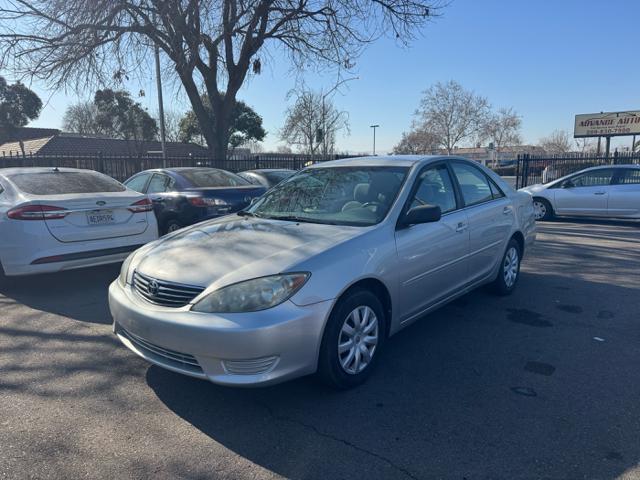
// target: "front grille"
[[161, 292], [182, 361]]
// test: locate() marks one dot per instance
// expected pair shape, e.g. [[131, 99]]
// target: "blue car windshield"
[[357, 196]]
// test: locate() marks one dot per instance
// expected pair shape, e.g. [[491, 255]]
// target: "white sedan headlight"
[[253, 295], [124, 270]]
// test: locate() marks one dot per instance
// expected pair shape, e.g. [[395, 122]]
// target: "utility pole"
[[374, 137], [160, 107]]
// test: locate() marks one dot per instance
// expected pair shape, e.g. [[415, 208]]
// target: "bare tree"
[[585, 145], [211, 45], [417, 141], [452, 114], [557, 143], [283, 149], [171, 125], [313, 123], [502, 128], [82, 118]]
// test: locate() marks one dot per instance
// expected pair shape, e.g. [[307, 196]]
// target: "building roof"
[[26, 133], [84, 145]]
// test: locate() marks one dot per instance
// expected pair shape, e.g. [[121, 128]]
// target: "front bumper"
[[240, 349]]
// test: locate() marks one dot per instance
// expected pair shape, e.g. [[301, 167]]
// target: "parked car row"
[[54, 219]]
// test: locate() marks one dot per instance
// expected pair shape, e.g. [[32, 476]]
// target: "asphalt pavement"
[[542, 384]]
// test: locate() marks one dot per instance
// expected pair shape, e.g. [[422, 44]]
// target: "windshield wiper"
[[246, 213], [293, 218]]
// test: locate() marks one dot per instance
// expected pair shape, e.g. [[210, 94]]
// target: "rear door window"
[[138, 182], [473, 183], [61, 183], [629, 176], [161, 183]]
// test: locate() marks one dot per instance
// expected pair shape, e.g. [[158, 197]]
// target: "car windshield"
[[60, 183], [357, 196], [211, 177]]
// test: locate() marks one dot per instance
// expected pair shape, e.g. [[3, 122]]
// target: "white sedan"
[[607, 191], [54, 219]]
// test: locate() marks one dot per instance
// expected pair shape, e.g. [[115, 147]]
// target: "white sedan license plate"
[[101, 217]]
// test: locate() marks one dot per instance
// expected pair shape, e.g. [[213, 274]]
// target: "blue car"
[[184, 196]]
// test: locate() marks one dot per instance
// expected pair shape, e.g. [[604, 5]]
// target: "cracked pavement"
[[542, 384]]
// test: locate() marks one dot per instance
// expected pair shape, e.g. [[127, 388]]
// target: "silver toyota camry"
[[318, 273]]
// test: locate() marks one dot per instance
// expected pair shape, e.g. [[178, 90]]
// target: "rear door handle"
[[157, 199], [600, 193], [461, 227], [507, 210]]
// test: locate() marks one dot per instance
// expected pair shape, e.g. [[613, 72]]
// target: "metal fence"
[[532, 169], [122, 167]]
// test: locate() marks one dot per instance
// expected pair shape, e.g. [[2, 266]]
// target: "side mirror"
[[568, 184], [421, 214]]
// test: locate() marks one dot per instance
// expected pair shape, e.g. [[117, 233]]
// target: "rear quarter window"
[[61, 183]]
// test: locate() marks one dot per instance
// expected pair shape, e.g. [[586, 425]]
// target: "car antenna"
[[56, 169]]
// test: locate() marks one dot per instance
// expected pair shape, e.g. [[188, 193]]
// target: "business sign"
[[607, 124]]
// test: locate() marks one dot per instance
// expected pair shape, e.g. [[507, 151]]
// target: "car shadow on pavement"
[[486, 387], [78, 294]]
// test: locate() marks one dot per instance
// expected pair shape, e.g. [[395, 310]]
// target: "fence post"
[[614, 159], [257, 159], [518, 158]]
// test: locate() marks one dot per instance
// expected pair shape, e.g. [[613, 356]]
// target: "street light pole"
[[374, 137], [160, 108]]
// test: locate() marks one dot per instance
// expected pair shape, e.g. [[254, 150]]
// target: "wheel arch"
[[519, 237], [379, 289]]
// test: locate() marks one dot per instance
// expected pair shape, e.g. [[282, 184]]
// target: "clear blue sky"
[[549, 60]]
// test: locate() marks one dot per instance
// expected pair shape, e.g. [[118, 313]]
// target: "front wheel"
[[542, 209], [509, 271], [352, 340]]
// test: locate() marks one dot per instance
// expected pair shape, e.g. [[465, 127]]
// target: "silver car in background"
[[608, 191], [321, 270]]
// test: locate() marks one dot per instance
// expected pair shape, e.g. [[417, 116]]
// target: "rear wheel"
[[352, 340], [542, 209], [509, 271], [171, 225]]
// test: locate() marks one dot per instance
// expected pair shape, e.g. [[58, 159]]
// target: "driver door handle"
[[600, 193], [507, 210], [461, 227]]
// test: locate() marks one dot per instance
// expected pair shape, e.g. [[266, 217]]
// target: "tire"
[[542, 209], [509, 271], [3, 277], [171, 225], [335, 368]]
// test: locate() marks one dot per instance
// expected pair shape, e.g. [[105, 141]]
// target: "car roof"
[[602, 167], [20, 170], [267, 170], [384, 161]]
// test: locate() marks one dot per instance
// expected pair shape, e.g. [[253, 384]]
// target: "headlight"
[[124, 270], [252, 295]]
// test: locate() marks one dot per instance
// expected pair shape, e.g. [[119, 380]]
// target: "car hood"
[[534, 188], [232, 249]]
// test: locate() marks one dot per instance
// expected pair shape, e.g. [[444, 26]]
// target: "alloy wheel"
[[510, 266], [358, 340]]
